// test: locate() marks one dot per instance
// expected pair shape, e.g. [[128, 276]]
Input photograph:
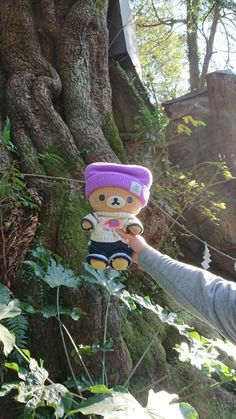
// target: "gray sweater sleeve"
[[207, 296]]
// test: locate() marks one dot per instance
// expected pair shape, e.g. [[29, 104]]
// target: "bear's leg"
[[97, 257], [121, 258]]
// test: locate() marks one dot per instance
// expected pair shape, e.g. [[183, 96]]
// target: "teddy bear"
[[116, 192]]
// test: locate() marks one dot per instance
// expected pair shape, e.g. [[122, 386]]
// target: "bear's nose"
[[115, 202]]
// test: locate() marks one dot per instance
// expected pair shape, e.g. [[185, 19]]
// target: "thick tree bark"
[[54, 87], [58, 98]]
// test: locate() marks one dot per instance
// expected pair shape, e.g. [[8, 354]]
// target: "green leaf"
[[121, 405], [12, 366], [88, 349], [91, 405], [107, 346], [195, 335], [121, 389], [27, 353], [100, 389], [42, 254], [164, 315], [6, 131], [9, 310], [76, 313], [7, 338], [51, 311], [30, 309], [6, 388], [57, 275], [6, 136], [162, 405], [4, 294], [188, 411], [193, 183], [38, 270], [228, 175], [105, 278], [33, 392], [5, 189], [51, 158]]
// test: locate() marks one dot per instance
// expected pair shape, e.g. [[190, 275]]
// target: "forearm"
[[203, 294]]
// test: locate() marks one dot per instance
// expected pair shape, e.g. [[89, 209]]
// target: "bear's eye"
[[101, 197], [129, 199]]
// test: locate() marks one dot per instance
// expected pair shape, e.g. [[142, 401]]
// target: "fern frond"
[[19, 326]]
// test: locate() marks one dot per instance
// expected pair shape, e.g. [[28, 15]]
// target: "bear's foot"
[[120, 264], [98, 264]]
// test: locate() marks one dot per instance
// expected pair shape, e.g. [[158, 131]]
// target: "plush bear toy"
[[116, 193]]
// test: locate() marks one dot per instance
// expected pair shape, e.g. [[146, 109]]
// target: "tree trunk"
[[56, 91], [209, 45], [54, 87], [192, 44]]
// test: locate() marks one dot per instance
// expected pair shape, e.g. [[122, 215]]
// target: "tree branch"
[[209, 46]]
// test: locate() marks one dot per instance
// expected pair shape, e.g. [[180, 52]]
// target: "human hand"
[[136, 243]]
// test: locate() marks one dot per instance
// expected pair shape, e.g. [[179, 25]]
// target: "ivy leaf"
[[57, 275]]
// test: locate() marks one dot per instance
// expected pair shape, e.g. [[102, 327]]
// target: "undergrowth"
[[39, 397]]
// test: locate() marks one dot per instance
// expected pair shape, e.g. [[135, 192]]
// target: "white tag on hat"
[[136, 188]]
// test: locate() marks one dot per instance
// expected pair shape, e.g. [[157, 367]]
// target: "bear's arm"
[[89, 222], [134, 226]]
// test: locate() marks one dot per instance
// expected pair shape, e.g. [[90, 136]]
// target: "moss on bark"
[[111, 134], [73, 239], [138, 331], [101, 4], [159, 371]]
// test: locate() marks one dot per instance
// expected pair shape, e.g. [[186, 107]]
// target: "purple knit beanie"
[[136, 179]]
